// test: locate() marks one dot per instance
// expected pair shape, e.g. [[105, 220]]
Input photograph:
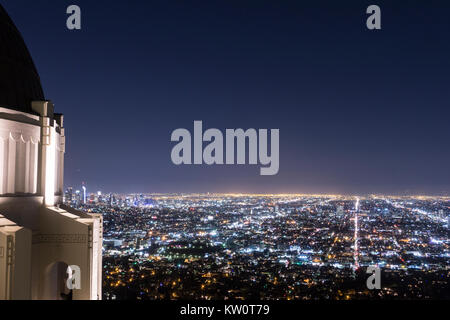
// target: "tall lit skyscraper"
[[84, 194], [39, 237]]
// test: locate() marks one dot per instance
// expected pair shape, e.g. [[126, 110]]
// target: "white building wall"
[[19, 152], [15, 261], [32, 162]]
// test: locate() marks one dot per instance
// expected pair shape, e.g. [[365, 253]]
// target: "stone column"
[[47, 151]]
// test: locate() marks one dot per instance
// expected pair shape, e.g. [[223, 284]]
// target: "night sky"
[[359, 111]]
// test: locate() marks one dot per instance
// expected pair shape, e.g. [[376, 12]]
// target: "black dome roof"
[[19, 81]]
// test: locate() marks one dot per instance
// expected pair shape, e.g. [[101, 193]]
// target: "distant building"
[[39, 238], [69, 195]]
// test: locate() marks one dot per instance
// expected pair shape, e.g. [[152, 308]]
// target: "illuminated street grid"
[[207, 246]]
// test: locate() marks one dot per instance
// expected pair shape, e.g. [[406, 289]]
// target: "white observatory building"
[[39, 237]]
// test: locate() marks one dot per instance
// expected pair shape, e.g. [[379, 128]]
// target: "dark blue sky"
[[358, 111]]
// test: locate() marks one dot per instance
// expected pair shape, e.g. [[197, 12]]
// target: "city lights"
[[289, 247]]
